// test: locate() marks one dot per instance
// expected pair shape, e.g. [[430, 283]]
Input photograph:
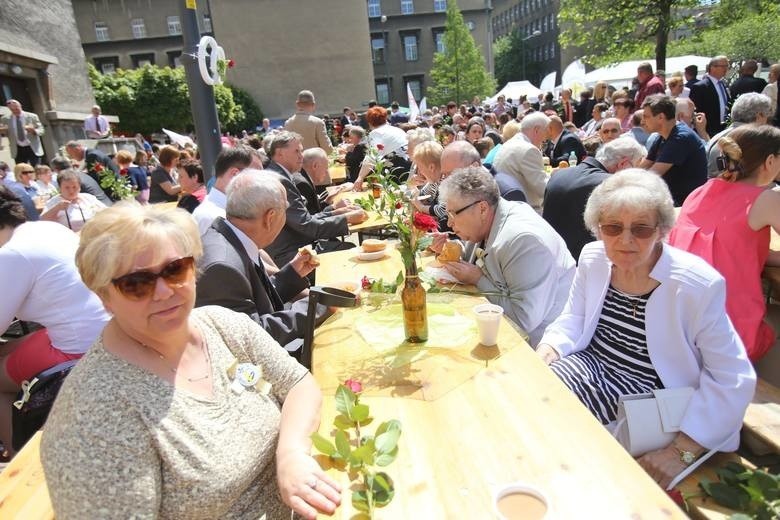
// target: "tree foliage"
[[740, 30], [252, 115], [151, 98], [509, 51], [459, 73], [610, 31]]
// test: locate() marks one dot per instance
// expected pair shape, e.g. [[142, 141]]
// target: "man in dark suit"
[[301, 227], [312, 181], [568, 190], [710, 95], [232, 273], [691, 71], [89, 158], [747, 82], [563, 143]]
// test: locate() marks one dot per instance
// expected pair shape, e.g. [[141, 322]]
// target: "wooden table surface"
[[23, 491], [375, 220], [474, 417], [338, 173]]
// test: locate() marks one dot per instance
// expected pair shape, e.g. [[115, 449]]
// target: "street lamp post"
[[383, 19], [532, 35]]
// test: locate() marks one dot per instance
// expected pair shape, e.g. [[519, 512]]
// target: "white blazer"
[[690, 339]]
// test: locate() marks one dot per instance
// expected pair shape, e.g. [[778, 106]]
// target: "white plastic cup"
[[536, 506], [488, 318]]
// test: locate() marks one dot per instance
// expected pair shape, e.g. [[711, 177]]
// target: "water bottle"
[[572, 158]]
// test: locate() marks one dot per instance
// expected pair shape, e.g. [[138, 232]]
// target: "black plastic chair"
[[330, 297]]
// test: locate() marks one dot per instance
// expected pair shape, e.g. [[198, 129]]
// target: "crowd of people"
[[567, 214]]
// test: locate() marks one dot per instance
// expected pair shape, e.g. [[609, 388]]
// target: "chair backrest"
[[328, 296]]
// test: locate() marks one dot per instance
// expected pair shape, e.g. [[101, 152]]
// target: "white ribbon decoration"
[[209, 73], [26, 387]]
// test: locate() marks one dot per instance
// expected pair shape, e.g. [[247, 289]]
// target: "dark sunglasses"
[[141, 284], [638, 230]]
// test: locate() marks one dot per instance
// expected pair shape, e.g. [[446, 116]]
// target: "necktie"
[[270, 290], [21, 135], [97, 125], [724, 99], [568, 111]]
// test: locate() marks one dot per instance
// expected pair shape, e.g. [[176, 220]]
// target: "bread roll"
[[372, 245], [307, 250], [451, 252]]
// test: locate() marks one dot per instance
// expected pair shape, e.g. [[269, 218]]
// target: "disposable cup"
[[519, 501], [488, 318]]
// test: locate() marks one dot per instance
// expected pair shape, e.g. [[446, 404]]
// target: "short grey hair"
[[748, 107], [312, 154], [618, 150], [419, 135], [683, 106], [471, 184], [464, 152], [632, 189], [251, 193], [306, 97], [282, 140], [534, 120]]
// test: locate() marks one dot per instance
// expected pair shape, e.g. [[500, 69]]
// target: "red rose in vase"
[[425, 222]]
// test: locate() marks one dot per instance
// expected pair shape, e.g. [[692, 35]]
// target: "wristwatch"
[[686, 457]]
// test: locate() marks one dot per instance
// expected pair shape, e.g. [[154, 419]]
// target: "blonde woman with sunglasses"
[[643, 316], [175, 412]]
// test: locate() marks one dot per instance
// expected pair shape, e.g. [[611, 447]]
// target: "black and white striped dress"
[[616, 362]]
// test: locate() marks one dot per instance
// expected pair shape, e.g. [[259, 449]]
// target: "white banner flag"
[[414, 110]]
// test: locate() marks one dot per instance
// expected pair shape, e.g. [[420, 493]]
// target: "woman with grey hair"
[[643, 315], [175, 412]]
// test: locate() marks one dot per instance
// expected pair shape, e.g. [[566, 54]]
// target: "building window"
[[174, 59], [378, 49], [410, 47], [415, 85], [142, 60], [107, 65], [407, 6], [207, 24], [382, 93], [101, 32], [439, 6], [374, 9], [438, 37], [544, 24], [174, 25], [139, 29]]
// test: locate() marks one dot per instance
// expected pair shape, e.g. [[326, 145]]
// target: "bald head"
[[459, 154], [315, 162], [610, 129]]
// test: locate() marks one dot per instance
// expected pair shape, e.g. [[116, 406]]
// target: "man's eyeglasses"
[[453, 214], [140, 285], [637, 230]]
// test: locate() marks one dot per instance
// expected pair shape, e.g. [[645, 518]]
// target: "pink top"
[[713, 224]]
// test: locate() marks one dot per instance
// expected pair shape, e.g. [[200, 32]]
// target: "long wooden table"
[[474, 417], [374, 222]]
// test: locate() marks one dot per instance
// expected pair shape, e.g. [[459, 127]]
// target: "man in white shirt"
[[96, 126]]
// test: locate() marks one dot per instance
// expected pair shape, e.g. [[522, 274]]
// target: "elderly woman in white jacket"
[[643, 315]]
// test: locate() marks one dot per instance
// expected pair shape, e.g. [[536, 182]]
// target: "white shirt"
[[77, 213], [392, 139], [249, 246], [213, 206], [40, 283]]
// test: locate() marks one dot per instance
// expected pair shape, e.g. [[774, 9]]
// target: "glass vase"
[[415, 312]]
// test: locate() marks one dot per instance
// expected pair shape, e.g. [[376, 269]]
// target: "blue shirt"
[[685, 152]]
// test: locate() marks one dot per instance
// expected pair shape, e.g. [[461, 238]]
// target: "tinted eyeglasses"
[[637, 230], [140, 285], [453, 214]]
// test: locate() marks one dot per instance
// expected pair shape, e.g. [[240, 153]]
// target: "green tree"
[[459, 73], [739, 30], [151, 98], [509, 51], [612, 31], [252, 117]]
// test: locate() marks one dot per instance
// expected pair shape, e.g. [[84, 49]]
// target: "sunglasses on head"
[[637, 230], [140, 285]]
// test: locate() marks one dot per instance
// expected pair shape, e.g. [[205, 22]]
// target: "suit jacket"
[[527, 262], [521, 159], [508, 186], [745, 84], [28, 118], [91, 186], [565, 199], [301, 227], [567, 143], [312, 130], [229, 278], [305, 185], [704, 95]]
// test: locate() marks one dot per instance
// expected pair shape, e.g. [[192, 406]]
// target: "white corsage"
[[247, 375]]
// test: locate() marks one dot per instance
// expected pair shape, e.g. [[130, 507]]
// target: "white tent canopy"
[[514, 90], [621, 74]]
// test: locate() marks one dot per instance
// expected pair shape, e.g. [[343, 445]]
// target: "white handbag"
[[651, 421]]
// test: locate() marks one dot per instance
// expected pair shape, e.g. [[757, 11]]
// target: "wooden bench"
[[23, 491], [703, 507], [761, 427]]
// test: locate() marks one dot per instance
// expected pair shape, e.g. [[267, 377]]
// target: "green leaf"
[[387, 441], [342, 422], [322, 444], [342, 444], [733, 498], [360, 412], [705, 484], [767, 484], [399, 279], [385, 459], [365, 454], [383, 489], [360, 500], [345, 400]]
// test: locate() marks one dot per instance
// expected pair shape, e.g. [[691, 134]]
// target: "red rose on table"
[[425, 222], [365, 283], [230, 64], [380, 147], [353, 385]]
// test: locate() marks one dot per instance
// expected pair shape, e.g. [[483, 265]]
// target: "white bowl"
[[374, 255], [520, 488]]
